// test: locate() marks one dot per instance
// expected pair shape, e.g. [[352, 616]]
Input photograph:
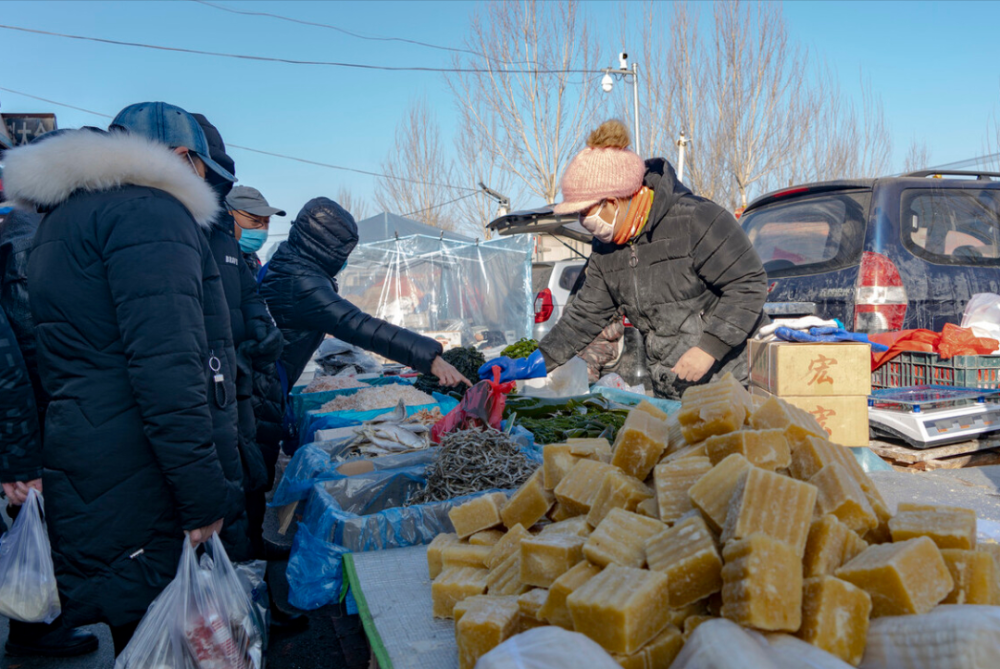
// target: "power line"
[[473, 191], [438, 206], [290, 61]]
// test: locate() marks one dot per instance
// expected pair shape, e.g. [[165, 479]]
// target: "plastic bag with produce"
[[28, 589]]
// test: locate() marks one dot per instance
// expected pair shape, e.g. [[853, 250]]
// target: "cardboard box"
[[794, 369], [845, 418]]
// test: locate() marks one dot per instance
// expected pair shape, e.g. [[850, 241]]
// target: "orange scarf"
[[636, 217]]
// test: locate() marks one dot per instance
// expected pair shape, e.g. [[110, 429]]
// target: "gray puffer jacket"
[[692, 278]]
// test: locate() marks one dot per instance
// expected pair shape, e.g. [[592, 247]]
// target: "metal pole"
[[635, 104], [681, 143]]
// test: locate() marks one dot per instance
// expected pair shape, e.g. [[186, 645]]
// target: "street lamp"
[[681, 146], [608, 83]]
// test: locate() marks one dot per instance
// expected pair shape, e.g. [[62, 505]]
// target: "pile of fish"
[[395, 432]]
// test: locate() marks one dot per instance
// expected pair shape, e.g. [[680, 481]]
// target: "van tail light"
[[543, 306], [879, 297]]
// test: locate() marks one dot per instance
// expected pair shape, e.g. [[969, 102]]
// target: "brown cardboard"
[[356, 467], [795, 369], [844, 418]]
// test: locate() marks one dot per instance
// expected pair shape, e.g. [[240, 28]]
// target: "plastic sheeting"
[[313, 422], [480, 290]]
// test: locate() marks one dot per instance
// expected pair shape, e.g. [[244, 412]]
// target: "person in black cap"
[[135, 353]]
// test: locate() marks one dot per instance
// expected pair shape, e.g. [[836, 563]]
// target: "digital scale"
[[929, 416]]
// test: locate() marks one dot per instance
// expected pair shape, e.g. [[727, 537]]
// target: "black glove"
[[266, 346]]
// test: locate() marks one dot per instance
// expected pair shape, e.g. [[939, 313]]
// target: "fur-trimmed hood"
[[45, 173]]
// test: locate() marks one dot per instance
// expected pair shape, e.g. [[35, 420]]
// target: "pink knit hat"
[[604, 170]]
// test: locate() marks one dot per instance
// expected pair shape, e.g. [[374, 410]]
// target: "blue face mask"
[[252, 240]]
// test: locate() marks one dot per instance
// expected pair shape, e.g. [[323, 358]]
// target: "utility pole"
[[681, 145], [608, 83]]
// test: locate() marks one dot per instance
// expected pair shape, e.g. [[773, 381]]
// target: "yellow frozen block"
[[905, 578], [622, 609], [688, 451], [560, 513], [776, 413], [478, 602], [486, 538], [434, 548], [686, 553], [476, 515], [465, 555], [576, 491], [993, 550], [881, 534], [673, 480], [639, 444], [455, 584], [658, 653], [554, 610], [831, 544], [835, 617], [505, 578], [544, 559], [713, 491], [577, 525], [621, 539], [647, 406], [703, 419], [840, 495], [679, 615], [775, 505], [529, 504], [558, 459], [762, 584], [675, 437], [974, 574], [649, 507], [530, 603], [509, 543], [618, 490], [767, 449], [947, 526], [482, 629], [692, 623]]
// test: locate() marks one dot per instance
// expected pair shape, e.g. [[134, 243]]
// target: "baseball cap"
[[245, 198], [170, 125]]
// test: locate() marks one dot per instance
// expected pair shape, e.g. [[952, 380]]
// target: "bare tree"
[[356, 205], [476, 163], [918, 156], [531, 107], [415, 166]]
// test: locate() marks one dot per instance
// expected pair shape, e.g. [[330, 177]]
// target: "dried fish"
[[392, 432], [472, 461]]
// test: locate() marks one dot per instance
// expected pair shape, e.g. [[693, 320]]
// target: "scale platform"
[[929, 416]]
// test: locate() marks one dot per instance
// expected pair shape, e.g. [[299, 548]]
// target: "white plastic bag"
[[949, 637], [569, 380], [547, 648], [982, 315], [28, 589], [722, 644], [202, 620]]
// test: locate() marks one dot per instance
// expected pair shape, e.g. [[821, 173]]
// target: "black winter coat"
[[692, 278], [20, 436], [140, 444], [301, 294], [17, 234]]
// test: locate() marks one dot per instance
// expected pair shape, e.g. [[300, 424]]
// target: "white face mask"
[[598, 227]]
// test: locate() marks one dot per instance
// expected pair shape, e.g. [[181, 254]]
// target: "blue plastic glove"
[[826, 334], [515, 369]]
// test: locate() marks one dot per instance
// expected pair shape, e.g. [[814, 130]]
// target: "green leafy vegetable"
[[520, 349]]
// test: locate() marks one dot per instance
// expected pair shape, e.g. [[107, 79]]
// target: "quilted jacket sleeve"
[[726, 261], [20, 437], [582, 321], [162, 324]]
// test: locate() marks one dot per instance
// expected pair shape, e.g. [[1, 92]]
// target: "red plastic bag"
[[948, 343], [482, 406], [961, 341]]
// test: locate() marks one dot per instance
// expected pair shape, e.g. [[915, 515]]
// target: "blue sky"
[[934, 65]]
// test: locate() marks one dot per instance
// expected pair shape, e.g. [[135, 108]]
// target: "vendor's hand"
[[515, 369], [17, 493], [693, 365], [446, 374], [266, 343], [203, 534]]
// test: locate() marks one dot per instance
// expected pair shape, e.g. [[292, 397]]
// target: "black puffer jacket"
[[129, 313], [301, 293], [692, 278], [20, 437], [17, 234]]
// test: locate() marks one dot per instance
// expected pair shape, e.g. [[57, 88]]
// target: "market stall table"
[[393, 590]]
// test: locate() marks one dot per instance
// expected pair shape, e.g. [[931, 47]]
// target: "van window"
[[809, 234], [953, 226]]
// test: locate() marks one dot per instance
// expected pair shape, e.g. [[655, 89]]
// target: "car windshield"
[[951, 225], [809, 234]]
